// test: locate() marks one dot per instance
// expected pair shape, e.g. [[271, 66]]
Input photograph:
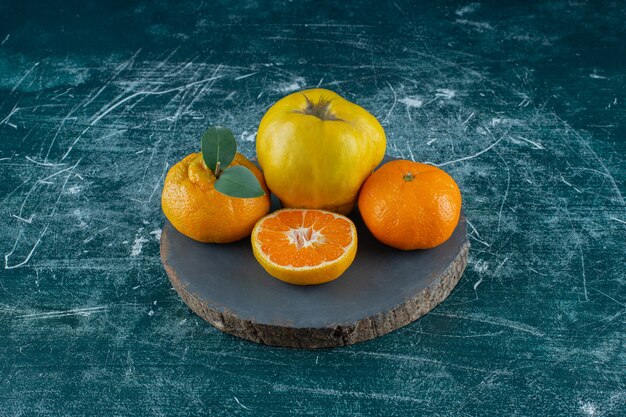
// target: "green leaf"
[[240, 182], [218, 145]]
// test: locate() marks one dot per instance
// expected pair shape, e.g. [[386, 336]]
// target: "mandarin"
[[409, 205], [193, 206]]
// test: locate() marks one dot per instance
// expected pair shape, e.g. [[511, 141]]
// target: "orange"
[[193, 206], [408, 205], [304, 246]]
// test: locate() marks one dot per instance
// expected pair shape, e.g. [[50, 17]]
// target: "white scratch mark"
[[156, 233], [294, 85], [411, 153], [238, 402], [320, 83], [7, 255], [74, 189], [445, 93], [24, 77], [473, 228], [159, 181], [248, 137], [537, 272], [411, 358], [506, 192], [57, 173], [62, 313], [415, 102], [113, 106], [617, 220], [480, 26], [45, 164], [89, 239], [582, 264], [411, 102], [29, 220], [67, 117], [246, 76], [500, 265], [471, 156], [14, 110], [480, 241], [582, 255], [481, 266], [609, 297], [331, 25], [478, 283], [343, 394], [469, 336], [598, 77], [398, 7], [535, 144], [468, 119], [470, 8], [5, 39], [497, 321], [395, 100], [588, 409], [565, 182], [431, 141], [137, 245], [606, 171], [497, 121]]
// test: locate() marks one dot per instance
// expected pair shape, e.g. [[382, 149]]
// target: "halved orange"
[[304, 246]]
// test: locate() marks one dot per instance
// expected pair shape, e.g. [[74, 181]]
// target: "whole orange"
[[193, 206], [408, 205]]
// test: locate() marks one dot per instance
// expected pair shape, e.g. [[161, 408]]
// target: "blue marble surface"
[[524, 105]]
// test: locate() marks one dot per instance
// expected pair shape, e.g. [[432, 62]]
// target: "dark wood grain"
[[384, 289]]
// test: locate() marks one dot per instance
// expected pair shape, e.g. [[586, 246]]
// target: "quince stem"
[[217, 169]]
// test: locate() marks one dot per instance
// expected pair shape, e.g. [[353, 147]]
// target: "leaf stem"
[[217, 169]]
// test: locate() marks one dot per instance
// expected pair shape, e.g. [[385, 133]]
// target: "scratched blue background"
[[524, 105]]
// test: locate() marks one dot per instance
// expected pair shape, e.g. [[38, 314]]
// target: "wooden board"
[[383, 289]]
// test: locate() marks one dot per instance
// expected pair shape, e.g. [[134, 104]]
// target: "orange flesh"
[[303, 238]]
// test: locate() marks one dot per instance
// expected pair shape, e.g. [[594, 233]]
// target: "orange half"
[[304, 247]]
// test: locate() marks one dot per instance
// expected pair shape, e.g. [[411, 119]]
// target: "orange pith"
[[304, 246]]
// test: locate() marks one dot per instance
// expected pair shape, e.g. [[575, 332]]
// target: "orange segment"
[[304, 246]]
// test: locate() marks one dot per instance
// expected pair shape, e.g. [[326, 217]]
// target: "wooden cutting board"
[[383, 290]]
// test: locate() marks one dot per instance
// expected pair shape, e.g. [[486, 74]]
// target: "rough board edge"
[[327, 337]]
